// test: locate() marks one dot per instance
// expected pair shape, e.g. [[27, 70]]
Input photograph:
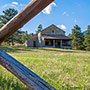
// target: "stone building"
[[51, 36]]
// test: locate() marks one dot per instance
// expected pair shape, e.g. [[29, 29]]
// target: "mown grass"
[[62, 68]]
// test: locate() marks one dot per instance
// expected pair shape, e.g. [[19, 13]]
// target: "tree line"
[[19, 36], [80, 40]]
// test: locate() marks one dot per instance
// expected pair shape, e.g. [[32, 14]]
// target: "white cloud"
[[48, 9], [12, 5], [15, 3], [65, 13], [62, 26]]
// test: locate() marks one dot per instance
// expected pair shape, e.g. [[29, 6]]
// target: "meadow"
[[64, 69]]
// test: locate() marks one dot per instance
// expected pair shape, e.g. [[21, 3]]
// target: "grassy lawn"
[[64, 69]]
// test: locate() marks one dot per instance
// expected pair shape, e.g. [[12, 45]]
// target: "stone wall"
[[29, 42], [40, 42], [53, 30]]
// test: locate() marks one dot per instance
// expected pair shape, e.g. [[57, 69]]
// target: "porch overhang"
[[56, 37]]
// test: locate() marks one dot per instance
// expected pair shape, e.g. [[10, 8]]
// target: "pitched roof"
[[61, 37], [54, 26]]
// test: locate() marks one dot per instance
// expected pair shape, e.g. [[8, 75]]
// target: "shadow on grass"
[[22, 48], [14, 48], [63, 50], [59, 50]]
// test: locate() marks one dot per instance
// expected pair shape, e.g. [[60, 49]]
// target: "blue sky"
[[63, 13]]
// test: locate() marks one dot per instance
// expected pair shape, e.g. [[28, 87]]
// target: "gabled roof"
[[53, 26]]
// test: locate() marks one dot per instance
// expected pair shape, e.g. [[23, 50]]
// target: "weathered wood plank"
[[30, 79], [23, 17]]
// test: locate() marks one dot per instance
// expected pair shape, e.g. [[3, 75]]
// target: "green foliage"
[[8, 83], [70, 35], [21, 36], [63, 69], [17, 37], [39, 28], [8, 14], [77, 38], [87, 39]]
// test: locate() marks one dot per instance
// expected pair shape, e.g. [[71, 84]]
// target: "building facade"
[[51, 36]]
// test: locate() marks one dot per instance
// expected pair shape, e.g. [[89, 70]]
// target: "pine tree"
[[39, 28], [87, 39], [8, 14], [77, 38]]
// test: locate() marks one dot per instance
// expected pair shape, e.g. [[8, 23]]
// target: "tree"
[[39, 28], [87, 39], [77, 38], [21, 36], [70, 35], [8, 14]]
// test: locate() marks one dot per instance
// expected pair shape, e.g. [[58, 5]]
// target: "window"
[[53, 31]]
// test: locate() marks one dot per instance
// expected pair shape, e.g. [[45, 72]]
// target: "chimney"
[[31, 34]]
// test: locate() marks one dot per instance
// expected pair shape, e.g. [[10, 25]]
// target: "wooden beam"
[[32, 9], [30, 79]]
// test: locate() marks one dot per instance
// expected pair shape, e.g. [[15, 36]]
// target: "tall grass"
[[62, 68], [9, 82]]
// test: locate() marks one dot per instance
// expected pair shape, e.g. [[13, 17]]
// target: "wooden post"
[[53, 43], [23, 17], [60, 43], [30, 79]]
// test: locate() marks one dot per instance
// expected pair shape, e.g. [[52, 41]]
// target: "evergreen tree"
[[39, 28], [87, 39], [8, 14], [77, 38], [70, 35], [21, 36]]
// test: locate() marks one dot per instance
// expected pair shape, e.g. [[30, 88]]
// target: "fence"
[[30, 79]]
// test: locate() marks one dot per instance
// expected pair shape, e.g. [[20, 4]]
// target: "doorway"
[[34, 43], [57, 43]]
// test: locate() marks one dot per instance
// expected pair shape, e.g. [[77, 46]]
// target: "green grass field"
[[64, 69]]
